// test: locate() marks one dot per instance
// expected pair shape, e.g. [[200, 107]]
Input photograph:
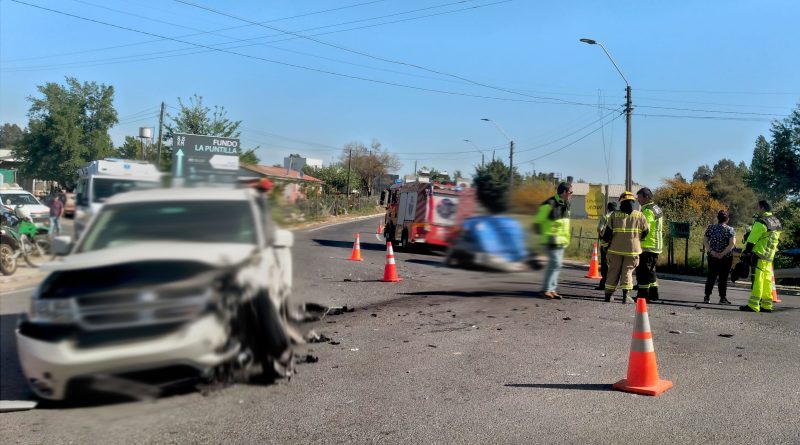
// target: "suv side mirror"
[[62, 245], [283, 238]]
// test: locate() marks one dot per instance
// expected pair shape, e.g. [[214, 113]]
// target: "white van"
[[99, 180]]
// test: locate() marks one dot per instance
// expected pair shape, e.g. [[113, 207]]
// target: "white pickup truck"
[[163, 286]]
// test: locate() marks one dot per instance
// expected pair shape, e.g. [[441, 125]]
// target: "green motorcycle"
[[18, 237]]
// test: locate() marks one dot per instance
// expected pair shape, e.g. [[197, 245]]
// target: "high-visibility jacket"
[[625, 232], [654, 242], [601, 228], [765, 235], [553, 221]]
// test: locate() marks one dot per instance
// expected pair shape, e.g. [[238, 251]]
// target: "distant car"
[[13, 195], [69, 206], [163, 286]]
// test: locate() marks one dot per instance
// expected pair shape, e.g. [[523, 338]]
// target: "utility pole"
[[160, 128], [415, 168], [511, 166], [628, 111], [349, 157]]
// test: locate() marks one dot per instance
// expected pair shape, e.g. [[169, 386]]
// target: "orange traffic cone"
[[356, 255], [594, 272], [390, 271], [642, 371], [775, 298]]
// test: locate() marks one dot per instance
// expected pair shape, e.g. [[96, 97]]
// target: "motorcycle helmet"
[[740, 271], [22, 212]]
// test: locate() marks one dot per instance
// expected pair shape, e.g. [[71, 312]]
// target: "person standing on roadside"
[[719, 242], [759, 251], [56, 210], [652, 246], [601, 228], [552, 226], [624, 231]]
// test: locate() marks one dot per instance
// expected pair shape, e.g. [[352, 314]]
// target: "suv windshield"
[[193, 221], [105, 188], [13, 199]]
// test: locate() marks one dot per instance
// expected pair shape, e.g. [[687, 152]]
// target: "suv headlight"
[[56, 311]]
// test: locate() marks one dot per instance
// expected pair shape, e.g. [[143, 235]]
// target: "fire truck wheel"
[[388, 234]]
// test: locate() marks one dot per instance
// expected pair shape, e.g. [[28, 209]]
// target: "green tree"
[[369, 163], [491, 180], [68, 127], [775, 169], [130, 149], [197, 118], [727, 185], [335, 178], [10, 135]]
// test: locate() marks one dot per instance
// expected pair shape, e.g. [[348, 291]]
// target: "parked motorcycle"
[[19, 236]]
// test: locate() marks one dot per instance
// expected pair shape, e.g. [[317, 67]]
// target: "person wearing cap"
[[719, 242], [624, 231], [601, 228], [552, 226], [652, 246], [759, 251]]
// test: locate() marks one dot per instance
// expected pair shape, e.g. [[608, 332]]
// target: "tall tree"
[[335, 178], [491, 180], [10, 135], [369, 163], [196, 118], [130, 149], [775, 170], [68, 127], [727, 185], [682, 201]]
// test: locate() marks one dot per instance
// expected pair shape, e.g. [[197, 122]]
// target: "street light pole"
[[476, 148], [628, 111], [510, 153]]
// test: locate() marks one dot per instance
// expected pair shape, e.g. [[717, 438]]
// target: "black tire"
[[8, 264], [272, 347], [33, 253]]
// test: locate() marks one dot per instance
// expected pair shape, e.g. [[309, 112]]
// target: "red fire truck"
[[424, 212]]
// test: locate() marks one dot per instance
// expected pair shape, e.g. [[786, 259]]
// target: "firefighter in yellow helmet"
[[624, 231]]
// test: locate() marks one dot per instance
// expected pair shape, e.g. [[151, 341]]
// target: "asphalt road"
[[454, 356]]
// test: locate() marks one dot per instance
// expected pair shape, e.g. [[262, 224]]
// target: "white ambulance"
[[102, 179]]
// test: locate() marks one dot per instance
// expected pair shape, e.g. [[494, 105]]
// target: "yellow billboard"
[[595, 201]]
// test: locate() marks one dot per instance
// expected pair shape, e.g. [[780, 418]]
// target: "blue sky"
[[707, 77]]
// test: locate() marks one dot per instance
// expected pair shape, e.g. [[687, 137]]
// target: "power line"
[[720, 118], [195, 34], [333, 73], [571, 143], [711, 111], [380, 58]]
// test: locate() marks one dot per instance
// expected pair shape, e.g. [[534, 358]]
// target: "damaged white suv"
[[163, 286]]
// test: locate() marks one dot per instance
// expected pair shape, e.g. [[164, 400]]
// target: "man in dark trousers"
[[601, 228], [652, 246]]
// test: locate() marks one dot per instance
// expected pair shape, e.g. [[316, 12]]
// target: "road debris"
[[334, 342], [307, 358], [675, 332], [432, 346], [726, 335], [566, 319], [314, 337]]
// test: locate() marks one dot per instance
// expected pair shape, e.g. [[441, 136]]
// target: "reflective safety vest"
[[654, 242], [553, 220], [601, 228], [626, 232], [765, 235]]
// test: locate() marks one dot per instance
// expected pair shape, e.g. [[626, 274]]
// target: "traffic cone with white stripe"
[[390, 271], [356, 255], [775, 298], [642, 371], [594, 272]]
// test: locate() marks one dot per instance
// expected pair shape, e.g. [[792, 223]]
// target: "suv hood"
[[214, 254]]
